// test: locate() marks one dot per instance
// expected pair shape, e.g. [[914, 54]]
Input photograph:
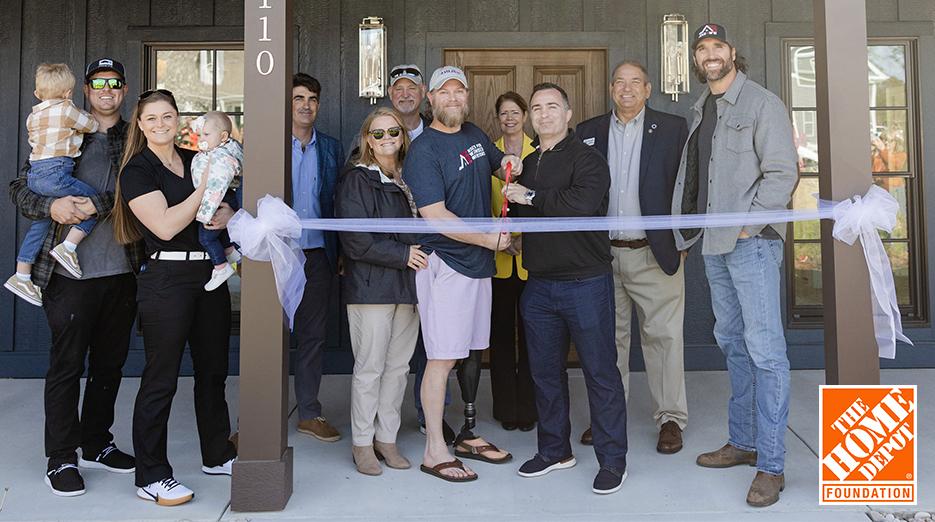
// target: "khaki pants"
[[660, 308], [383, 338]]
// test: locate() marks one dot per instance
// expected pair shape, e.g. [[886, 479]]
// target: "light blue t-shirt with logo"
[[454, 168]]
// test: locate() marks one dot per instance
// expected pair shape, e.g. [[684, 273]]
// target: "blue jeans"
[[53, 178], [745, 287], [215, 241], [584, 310]]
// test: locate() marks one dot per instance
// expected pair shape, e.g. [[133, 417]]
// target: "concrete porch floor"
[[327, 487]]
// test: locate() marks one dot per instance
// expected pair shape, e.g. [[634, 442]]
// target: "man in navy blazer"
[[316, 158], [643, 148]]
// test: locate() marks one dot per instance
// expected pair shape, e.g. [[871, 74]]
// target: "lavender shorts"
[[454, 310]]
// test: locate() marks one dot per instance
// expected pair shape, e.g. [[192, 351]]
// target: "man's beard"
[[715, 75], [451, 116], [411, 107]]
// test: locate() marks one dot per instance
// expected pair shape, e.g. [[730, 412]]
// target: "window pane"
[[888, 139], [230, 81], [238, 127], [897, 188], [887, 75], [803, 199], [802, 76], [807, 274], [805, 125], [189, 75], [899, 259], [186, 138]]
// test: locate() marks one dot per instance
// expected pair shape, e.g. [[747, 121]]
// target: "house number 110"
[[264, 59]]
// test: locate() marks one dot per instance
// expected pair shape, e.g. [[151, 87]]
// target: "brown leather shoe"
[[726, 457], [764, 491], [670, 438], [586, 437], [320, 429]]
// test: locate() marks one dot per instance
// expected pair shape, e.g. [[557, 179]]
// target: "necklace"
[[513, 148], [171, 164]]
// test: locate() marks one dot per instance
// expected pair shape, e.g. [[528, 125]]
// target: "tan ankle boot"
[[366, 460], [390, 453]]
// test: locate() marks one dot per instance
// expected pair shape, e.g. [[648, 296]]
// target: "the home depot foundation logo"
[[868, 445]]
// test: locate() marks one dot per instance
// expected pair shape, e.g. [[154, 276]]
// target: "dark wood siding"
[[82, 30]]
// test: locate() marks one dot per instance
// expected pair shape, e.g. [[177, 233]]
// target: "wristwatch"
[[529, 195]]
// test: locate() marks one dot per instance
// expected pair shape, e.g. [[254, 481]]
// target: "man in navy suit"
[[643, 148], [315, 161]]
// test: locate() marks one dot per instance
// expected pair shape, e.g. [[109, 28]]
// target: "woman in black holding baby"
[[157, 202]]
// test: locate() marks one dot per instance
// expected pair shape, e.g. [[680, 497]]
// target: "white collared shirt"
[[414, 133]]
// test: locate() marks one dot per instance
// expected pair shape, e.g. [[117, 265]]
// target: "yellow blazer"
[[504, 260]]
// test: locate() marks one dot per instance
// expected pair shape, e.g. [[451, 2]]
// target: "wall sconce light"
[[675, 56], [372, 61]]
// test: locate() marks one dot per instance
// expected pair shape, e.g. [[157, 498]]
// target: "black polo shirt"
[[145, 173]]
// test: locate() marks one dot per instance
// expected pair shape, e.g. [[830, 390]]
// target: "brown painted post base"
[[262, 485]]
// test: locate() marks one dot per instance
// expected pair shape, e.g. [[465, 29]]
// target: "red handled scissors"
[[506, 203]]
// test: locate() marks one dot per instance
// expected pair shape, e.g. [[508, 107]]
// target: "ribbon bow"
[[861, 217], [271, 237]]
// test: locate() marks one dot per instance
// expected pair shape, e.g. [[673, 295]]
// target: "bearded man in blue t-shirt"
[[448, 169]]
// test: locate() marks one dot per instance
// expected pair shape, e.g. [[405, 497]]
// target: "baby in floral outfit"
[[221, 159]]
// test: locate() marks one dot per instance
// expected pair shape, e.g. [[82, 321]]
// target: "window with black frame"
[[202, 78], [895, 145]]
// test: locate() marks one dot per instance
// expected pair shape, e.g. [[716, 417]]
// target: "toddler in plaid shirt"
[[55, 129]]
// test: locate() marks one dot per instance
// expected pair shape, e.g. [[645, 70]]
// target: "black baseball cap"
[[710, 30], [104, 64]]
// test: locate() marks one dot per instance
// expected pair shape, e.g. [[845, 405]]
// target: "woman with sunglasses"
[[514, 403], [379, 289], [156, 201]]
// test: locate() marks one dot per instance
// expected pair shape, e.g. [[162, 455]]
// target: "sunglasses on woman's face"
[[105, 83], [147, 94], [378, 134]]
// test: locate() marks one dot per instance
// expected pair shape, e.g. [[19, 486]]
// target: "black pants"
[[92, 319], [311, 329], [510, 380], [175, 310]]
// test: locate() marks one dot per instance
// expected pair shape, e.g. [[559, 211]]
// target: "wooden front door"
[[581, 72], [490, 73]]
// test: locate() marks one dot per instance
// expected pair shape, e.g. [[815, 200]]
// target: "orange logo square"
[[867, 436]]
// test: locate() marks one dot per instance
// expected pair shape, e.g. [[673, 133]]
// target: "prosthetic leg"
[[469, 380]]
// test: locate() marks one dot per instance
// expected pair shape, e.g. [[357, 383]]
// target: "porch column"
[[262, 479], [851, 353]]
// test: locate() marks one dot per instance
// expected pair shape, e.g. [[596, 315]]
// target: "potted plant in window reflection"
[[187, 139]]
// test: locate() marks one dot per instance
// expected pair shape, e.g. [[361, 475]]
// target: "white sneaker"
[[166, 492], [67, 258], [219, 276], [223, 469], [26, 290], [234, 257]]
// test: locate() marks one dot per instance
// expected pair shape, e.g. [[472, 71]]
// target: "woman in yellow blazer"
[[514, 403]]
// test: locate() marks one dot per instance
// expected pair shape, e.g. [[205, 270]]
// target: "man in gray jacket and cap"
[[740, 157]]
